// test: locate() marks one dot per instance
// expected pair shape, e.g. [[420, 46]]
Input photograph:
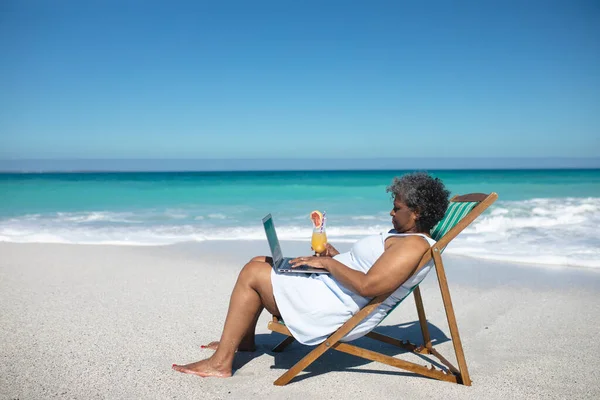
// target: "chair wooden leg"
[[430, 372], [328, 343], [302, 364], [406, 345], [460, 355], [422, 318], [284, 343]]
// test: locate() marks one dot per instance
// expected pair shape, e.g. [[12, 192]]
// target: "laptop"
[[280, 263]]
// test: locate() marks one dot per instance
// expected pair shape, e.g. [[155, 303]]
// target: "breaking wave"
[[557, 231]]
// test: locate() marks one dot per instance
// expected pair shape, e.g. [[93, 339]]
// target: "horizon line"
[[184, 171], [294, 164], [295, 158]]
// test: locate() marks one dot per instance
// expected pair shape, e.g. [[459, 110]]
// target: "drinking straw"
[[323, 222]]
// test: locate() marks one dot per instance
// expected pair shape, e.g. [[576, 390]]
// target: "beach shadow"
[[338, 361]]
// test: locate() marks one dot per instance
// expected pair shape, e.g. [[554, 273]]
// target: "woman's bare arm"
[[392, 269]]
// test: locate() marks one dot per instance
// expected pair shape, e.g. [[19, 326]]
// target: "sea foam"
[[558, 231]]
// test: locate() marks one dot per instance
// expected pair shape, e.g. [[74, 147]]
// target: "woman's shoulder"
[[418, 241]]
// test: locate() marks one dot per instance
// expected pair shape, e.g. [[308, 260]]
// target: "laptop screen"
[[272, 238]]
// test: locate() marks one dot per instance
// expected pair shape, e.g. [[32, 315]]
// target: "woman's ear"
[[417, 215]]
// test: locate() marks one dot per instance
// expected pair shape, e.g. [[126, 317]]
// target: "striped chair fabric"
[[455, 212]]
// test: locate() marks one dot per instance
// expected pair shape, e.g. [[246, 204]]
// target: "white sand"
[[86, 322]]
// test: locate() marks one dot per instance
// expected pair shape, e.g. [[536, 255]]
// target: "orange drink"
[[318, 241], [319, 237]]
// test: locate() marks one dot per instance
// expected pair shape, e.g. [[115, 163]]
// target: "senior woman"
[[314, 306]]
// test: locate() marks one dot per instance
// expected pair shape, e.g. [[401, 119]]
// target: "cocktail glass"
[[319, 240]]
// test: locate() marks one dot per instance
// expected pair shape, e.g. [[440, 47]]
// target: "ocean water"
[[548, 217]]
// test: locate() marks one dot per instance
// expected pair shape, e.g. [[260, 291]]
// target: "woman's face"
[[403, 218]]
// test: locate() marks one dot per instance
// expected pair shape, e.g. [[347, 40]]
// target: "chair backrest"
[[461, 211], [455, 212]]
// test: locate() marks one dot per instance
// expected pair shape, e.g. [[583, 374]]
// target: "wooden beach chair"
[[462, 211]]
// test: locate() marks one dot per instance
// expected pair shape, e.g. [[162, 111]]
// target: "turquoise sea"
[[549, 217]]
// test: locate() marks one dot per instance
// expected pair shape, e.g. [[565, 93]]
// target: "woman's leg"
[[247, 343], [253, 291]]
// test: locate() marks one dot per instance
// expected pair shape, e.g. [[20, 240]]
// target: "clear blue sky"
[[295, 79]]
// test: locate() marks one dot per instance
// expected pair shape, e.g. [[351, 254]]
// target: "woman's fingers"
[[331, 251], [296, 262]]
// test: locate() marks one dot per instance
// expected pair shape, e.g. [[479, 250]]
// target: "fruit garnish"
[[316, 218]]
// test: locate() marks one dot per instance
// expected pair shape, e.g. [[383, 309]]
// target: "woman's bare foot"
[[250, 346], [204, 368]]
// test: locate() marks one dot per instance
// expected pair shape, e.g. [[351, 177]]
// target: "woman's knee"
[[257, 275], [263, 259], [255, 269]]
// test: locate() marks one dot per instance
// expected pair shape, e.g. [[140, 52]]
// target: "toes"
[[183, 368], [211, 345], [179, 368], [202, 373]]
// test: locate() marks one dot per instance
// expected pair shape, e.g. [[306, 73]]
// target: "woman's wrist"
[[329, 264]]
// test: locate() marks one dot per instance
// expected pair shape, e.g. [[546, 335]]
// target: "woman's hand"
[[311, 261], [330, 251]]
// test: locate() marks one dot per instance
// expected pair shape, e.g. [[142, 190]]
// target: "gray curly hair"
[[424, 195]]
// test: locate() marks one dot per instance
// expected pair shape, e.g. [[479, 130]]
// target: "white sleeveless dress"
[[314, 306]]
